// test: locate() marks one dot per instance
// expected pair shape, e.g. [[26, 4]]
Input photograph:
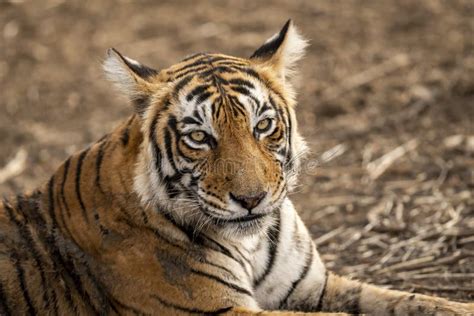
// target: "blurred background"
[[386, 102]]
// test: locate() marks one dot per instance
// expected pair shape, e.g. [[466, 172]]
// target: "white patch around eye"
[[193, 144]]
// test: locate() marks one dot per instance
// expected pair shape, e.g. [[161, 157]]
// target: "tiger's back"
[[39, 266]]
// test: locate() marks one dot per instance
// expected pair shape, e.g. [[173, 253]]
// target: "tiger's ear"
[[130, 77], [282, 51]]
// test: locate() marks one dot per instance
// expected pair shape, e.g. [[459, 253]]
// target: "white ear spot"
[[117, 72], [282, 51], [292, 50]]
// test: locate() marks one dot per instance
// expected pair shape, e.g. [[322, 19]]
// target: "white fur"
[[117, 72], [292, 50], [289, 262]]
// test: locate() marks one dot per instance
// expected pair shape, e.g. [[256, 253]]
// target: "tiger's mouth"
[[234, 223], [241, 226], [238, 220]]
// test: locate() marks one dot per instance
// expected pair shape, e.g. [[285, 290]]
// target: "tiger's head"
[[221, 148]]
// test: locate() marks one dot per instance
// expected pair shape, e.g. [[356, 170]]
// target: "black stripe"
[[192, 56], [51, 241], [274, 240], [242, 82], [169, 149], [212, 72], [321, 298], [181, 84], [197, 115], [200, 62], [4, 308], [191, 72], [263, 108], [194, 236], [190, 120], [272, 135], [62, 218], [190, 310], [241, 90], [129, 308], [237, 106], [187, 158], [76, 278], [20, 273], [30, 244], [223, 282], [250, 72], [141, 102], [289, 154], [196, 91], [242, 255], [63, 185], [216, 246], [187, 230], [254, 74], [98, 165], [303, 274], [172, 123], [126, 132], [157, 156], [104, 303], [203, 97], [220, 267], [67, 265], [78, 183]]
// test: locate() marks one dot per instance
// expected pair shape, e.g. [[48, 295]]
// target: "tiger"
[[183, 209]]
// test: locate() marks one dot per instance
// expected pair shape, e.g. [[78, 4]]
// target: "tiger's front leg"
[[342, 294]]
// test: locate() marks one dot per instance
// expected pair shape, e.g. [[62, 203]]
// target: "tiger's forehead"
[[204, 63], [213, 89]]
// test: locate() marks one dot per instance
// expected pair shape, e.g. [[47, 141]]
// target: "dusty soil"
[[379, 75]]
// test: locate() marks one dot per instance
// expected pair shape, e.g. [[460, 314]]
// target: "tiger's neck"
[[91, 196]]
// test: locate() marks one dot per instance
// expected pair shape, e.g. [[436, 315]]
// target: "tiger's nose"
[[248, 202]]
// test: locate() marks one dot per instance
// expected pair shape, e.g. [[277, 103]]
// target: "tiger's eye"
[[263, 124], [198, 136]]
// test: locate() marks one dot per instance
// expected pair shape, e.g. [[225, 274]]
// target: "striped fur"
[[151, 220]]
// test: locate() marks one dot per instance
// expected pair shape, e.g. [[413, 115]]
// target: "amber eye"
[[264, 125], [198, 136]]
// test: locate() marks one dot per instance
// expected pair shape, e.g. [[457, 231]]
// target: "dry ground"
[[386, 103]]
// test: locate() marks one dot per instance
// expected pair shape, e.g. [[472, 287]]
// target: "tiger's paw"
[[424, 305], [242, 311]]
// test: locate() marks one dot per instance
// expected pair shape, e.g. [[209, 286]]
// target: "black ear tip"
[[112, 51], [286, 26]]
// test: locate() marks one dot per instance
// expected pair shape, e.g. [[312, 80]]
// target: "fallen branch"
[[366, 76], [378, 167]]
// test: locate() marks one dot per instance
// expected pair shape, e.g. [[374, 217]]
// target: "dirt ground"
[[386, 103]]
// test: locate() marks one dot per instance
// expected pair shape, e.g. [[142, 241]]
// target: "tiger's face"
[[220, 147]]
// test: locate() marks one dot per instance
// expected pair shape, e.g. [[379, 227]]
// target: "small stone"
[[11, 29], [453, 141]]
